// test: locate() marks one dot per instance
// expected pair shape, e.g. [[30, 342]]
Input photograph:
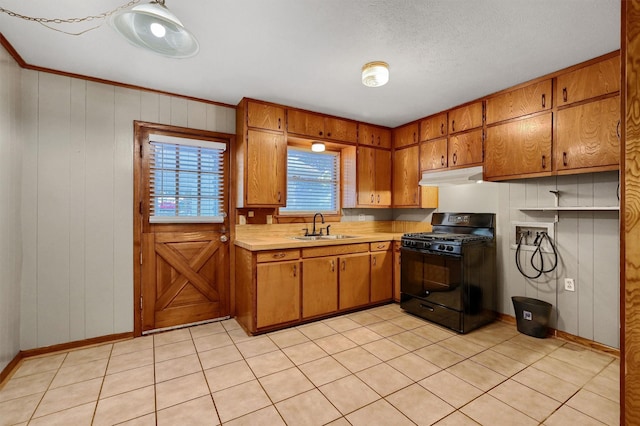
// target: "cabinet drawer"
[[275, 256], [380, 246], [335, 250]]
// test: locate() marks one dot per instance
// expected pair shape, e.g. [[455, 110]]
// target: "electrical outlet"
[[569, 284]]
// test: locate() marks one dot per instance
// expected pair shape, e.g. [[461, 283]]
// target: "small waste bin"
[[532, 316]]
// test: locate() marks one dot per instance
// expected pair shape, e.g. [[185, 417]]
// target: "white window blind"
[[186, 182], [313, 182]]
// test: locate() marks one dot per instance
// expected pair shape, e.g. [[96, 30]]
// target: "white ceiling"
[[308, 53]]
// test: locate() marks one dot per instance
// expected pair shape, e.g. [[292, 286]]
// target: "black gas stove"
[[448, 276]]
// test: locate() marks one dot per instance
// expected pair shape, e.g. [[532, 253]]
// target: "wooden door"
[[433, 154], [277, 293], [405, 135], [374, 136], [266, 169], [587, 135], [341, 130], [183, 276], [433, 127], [366, 179], [304, 123], [354, 277], [465, 149], [406, 177], [265, 116], [517, 103], [383, 178], [465, 118], [381, 276], [594, 80], [319, 286]]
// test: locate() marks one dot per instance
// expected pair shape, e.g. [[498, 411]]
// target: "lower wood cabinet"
[[319, 286], [277, 293], [396, 270], [280, 288]]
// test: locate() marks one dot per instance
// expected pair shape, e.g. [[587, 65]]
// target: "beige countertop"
[[259, 243]]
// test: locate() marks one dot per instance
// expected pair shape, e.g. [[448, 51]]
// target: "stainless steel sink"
[[321, 237]]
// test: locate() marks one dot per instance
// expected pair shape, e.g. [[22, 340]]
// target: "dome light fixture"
[[153, 27], [317, 146], [375, 74]]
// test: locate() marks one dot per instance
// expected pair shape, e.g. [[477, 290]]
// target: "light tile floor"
[[376, 367]]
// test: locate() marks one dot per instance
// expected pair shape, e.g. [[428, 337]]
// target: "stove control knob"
[[441, 247], [449, 248]]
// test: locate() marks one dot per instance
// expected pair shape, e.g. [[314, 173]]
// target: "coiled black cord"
[[538, 243]]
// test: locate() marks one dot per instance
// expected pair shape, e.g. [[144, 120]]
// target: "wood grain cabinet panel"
[[381, 276], [406, 177], [433, 154], [266, 169], [517, 103], [319, 286], [433, 127], [465, 118], [374, 136], [374, 177], [518, 147], [277, 293], [321, 127], [340, 130], [465, 149], [265, 116], [354, 277], [383, 178], [587, 135], [591, 81], [405, 135]]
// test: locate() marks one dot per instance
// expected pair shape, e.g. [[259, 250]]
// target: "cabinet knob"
[[372, 198], [414, 136], [442, 160], [372, 140], [544, 162], [373, 259], [329, 134], [565, 96], [453, 125], [320, 133], [455, 158], [378, 198], [279, 123], [618, 130], [295, 270], [442, 128], [279, 255], [544, 100], [279, 196], [344, 265], [565, 162], [333, 265], [378, 140]]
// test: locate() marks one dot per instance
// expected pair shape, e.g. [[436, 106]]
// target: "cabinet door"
[[433, 154], [319, 286], [374, 136], [382, 174], [266, 169], [354, 277], [405, 135], [366, 179], [465, 149], [519, 147], [587, 135], [465, 118], [341, 130], [406, 177], [396, 270], [433, 127], [381, 276], [304, 123], [527, 100], [594, 80], [265, 116], [278, 293]]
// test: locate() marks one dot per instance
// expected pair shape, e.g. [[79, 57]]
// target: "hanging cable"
[[540, 237]]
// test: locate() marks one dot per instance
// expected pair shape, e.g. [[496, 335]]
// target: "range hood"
[[452, 177]]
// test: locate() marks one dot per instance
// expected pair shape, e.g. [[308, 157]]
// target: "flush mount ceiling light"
[[317, 146], [375, 74], [153, 27]]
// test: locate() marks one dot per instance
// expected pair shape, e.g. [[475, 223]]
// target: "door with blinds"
[[183, 202]]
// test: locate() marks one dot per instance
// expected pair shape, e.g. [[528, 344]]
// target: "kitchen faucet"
[[314, 223]]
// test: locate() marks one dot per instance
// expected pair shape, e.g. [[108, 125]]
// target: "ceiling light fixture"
[[153, 27], [317, 146], [375, 74]]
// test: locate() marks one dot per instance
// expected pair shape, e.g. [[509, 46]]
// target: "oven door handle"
[[429, 252], [427, 307]]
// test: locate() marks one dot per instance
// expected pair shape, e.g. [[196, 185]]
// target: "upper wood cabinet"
[[373, 177], [433, 154], [518, 147], [265, 116], [265, 178], [405, 135], [465, 118], [587, 135], [433, 127], [591, 81], [374, 136], [517, 103], [406, 177], [465, 149], [321, 127]]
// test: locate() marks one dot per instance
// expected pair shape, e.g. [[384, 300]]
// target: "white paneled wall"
[[77, 186], [10, 239], [587, 242]]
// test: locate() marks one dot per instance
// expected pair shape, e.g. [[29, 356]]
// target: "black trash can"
[[532, 315]]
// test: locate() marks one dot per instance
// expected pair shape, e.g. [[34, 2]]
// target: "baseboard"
[[552, 332], [8, 370]]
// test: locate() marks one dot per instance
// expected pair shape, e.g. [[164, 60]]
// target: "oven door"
[[433, 277]]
